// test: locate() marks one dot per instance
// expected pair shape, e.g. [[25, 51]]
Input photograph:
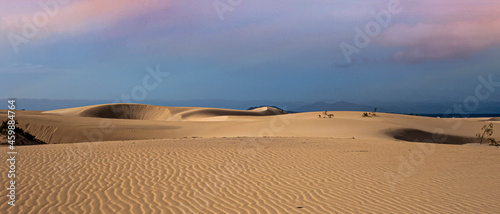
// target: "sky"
[[358, 51]]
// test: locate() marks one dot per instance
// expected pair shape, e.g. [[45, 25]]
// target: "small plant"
[[325, 115], [486, 136], [4, 126], [19, 131], [370, 114]]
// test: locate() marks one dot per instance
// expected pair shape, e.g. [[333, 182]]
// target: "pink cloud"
[[437, 11], [82, 15], [446, 30]]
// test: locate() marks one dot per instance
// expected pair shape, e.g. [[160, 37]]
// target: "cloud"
[[424, 42], [78, 16], [425, 30], [449, 34], [20, 68]]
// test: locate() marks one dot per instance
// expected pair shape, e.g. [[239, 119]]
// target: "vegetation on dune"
[[485, 136], [326, 115], [4, 128], [370, 114]]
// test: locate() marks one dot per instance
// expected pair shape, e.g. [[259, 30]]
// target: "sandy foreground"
[[154, 159]]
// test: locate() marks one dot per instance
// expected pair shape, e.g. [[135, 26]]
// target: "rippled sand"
[[154, 159], [256, 175]]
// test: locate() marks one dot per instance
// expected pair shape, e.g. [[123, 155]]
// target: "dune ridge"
[[163, 113]]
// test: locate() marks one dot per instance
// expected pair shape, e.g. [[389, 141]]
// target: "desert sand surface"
[[139, 122], [130, 158]]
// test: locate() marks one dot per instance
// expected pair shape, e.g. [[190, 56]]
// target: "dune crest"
[[151, 112]]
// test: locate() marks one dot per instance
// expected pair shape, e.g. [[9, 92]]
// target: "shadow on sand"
[[415, 135]]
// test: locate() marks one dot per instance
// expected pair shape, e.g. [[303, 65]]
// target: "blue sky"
[[249, 50]]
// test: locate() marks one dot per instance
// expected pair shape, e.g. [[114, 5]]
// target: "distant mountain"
[[337, 106], [436, 107]]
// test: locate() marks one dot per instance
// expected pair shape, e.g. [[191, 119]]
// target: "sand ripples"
[[288, 175]]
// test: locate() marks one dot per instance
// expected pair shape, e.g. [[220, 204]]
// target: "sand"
[[201, 160]]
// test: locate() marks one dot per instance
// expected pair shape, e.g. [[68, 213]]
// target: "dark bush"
[[485, 137]]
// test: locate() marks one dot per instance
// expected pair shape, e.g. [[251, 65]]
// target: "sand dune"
[[138, 122], [129, 158], [249, 175], [149, 112]]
